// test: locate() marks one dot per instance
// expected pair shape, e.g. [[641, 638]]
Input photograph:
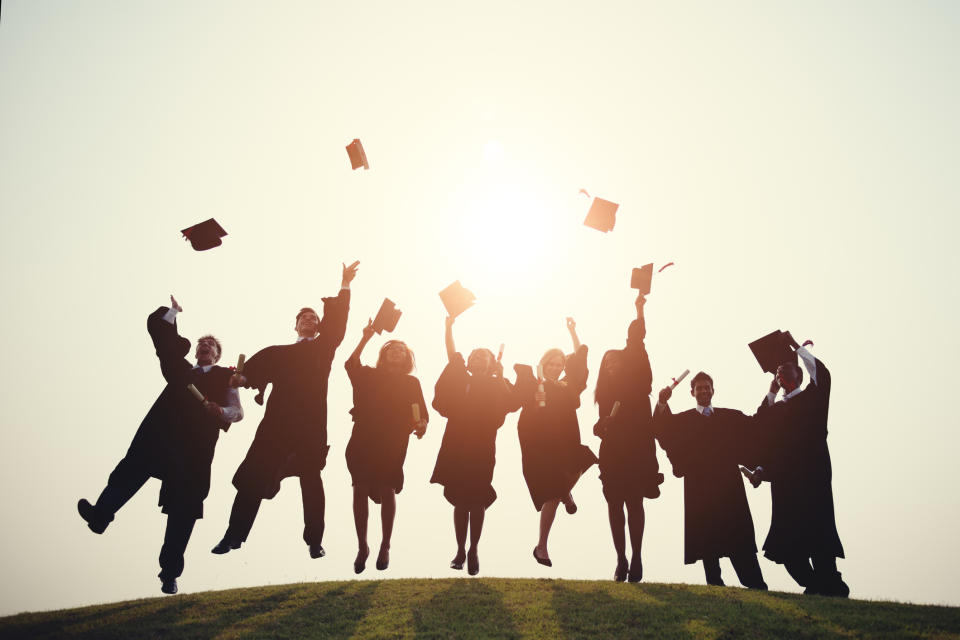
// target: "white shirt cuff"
[[170, 315]]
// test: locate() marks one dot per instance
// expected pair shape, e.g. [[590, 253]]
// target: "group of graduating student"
[[783, 444]]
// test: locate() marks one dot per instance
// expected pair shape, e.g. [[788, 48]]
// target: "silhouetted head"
[[308, 323], [396, 357], [552, 364], [610, 365], [480, 362], [790, 376], [701, 388], [208, 351]]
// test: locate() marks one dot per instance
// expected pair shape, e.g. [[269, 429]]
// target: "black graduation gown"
[[176, 440], [292, 437], [552, 455], [382, 422], [475, 409], [796, 460], [706, 453], [628, 456]]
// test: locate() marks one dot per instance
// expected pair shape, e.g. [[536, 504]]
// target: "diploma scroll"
[[615, 410], [416, 412], [540, 389], [240, 362], [196, 392], [677, 381], [500, 354]]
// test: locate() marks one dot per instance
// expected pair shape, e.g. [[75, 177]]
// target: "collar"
[[205, 368], [710, 406], [302, 339], [791, 394]]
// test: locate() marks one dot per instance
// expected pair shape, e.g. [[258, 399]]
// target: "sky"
[[797, 162]]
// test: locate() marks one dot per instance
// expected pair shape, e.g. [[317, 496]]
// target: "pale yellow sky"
[[798, 162]]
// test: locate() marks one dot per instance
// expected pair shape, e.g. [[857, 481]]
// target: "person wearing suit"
[[175, 442], [795, 460], [291, 440], [705, 445]]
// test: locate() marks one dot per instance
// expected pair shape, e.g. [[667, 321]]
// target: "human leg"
[[314, 509], [547, 514], [175, 539], [477, 514], [636, 520], [618, 523], [748, 571], [360, 516], [461, 520], [242, 514], [388, 512]]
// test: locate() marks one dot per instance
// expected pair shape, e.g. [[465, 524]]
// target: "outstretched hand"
[[449, 320], [641, 300], [571, 325], [368, 330], [665, 394], [174, 305], [349, 273], [237, 380]]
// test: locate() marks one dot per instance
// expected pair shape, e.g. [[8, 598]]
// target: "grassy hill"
[[489, 608]]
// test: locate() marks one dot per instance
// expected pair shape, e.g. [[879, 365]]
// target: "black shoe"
[[316, 551], [473, 563], [360, 563], [620, 574], [636, 571], [544, 561], [168, 586], [226, 545], [838, 589], [92, 517], [383, 560]]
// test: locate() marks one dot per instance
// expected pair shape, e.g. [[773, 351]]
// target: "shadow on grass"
[[467, 609], [335, 613]]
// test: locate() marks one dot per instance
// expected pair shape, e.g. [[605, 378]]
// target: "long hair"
[[408, 360], [605, 380], [493, 358], [550, 354]]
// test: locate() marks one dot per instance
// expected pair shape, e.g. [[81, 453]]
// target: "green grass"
[[489, 608]]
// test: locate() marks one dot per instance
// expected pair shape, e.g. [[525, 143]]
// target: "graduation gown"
[[291, 439], [706, 453], [628, 456], [176, 439], [796, 461], [475, 408], [382, 422], [552, 455]]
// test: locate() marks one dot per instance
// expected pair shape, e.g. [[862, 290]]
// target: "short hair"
[[409, 361], [307, 310], [700, 376], [796, 368], [216, 342], [550, 354]]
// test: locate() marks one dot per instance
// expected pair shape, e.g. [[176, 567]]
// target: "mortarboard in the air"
[[641, 278], [772, 350], [358, 157], [205, 235], [387, 317], [602, 215], [457, 299]]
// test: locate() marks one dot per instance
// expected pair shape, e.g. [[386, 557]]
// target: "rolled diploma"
[[542, 403], [615, 409], [500, 355], [196, 392], [683, 375], [416, 412], [240, 362]]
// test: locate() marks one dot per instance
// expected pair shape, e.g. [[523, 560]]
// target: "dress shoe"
[[225, 546], [473, 563], [360, 563], [636, 571], [316, 551], [168, 586], [544, 561], [620, 574], [92, 517]]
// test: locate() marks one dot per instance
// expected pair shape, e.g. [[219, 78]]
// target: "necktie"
[[707, 412]]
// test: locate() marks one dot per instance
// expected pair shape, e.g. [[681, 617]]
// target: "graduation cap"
[[457, 299], [387, 317], [602, 215], [641, 278], [772, 350], [358, 157], [205, 235]]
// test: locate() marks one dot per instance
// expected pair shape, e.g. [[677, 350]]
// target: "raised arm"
[[353, 362], [170, 346], [572, 328], [448, 339], [333, 325]]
